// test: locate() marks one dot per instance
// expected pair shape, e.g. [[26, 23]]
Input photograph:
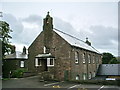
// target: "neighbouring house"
[[14, 61], [57, 55], [109, 71]]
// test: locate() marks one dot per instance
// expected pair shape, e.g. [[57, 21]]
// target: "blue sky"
[[96, 20]]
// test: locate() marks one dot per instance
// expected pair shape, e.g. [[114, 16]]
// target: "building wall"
[[10, 66], [84, 68], [59, 48], [35, 48], [65, 67]]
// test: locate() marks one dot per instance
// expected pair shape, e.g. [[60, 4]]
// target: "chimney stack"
[[88, 42], [24, 50], [13, 49]]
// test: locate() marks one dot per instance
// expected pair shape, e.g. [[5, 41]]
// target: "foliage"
[[18, 73], [5, 32], [107, 57], [114, 61]]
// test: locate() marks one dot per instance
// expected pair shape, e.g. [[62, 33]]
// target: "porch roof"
[[44, 56]]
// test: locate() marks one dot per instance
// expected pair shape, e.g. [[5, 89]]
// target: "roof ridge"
[[68, 34]]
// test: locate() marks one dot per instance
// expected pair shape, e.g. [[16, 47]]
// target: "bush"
[[18, 73]]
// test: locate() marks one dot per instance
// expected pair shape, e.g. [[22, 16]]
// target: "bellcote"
[[48, 22]]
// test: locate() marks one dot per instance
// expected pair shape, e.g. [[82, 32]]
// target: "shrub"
[[18, 73]]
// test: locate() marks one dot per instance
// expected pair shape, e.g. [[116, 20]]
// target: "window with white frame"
[[84, 76], [93, 59], [50, 61], [90, 75], [83, 55], [94, 74], [37, 62], [44, 49], [77, 77], [89, 58], [76, 57], [22, 64]]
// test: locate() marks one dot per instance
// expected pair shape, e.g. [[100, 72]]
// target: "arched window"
[[44, 49], [83, 55], [94, 74], [76, 57], [84, 76], [89, 58], [93, 59]]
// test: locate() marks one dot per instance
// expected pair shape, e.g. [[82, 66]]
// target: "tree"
[[114, 61], [107, 57], [5, 32]]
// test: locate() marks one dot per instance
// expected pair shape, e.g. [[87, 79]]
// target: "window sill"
[[50, 66]]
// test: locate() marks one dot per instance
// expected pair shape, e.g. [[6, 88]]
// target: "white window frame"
[[89, 58], [77, 77], [83, 56], [93, 59], [76, 57], [48, 62], [36, 62], [90, 75], [84, 76], [94, 73], [22, 64], [44, 49]]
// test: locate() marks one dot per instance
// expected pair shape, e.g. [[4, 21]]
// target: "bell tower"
[[48, 32], [48, 22]]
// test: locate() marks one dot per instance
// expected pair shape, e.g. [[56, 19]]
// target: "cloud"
[[33, 19], [104, 38], [25, 30], [14, 23]]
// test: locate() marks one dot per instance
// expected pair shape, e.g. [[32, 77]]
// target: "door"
[[45, 65], [66, 75]]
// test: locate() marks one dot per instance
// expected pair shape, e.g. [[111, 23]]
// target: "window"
[[93, 59], [22, 64], [89, 58], [76, 57], [84, 76], [50, 61], [77, 77], [94, 74], [37, 62], [44, 49], [97, 59], [90, 75], [83, 57]]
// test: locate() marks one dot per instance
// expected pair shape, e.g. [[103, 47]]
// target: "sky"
[[96, 20]]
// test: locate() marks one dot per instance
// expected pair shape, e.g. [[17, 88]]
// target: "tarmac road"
[[34, 82]]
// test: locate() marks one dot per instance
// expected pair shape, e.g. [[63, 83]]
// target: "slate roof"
[[16, 55], [75, 41], [109, 69]]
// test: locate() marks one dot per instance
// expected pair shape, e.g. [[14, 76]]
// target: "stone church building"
[[60, 56]]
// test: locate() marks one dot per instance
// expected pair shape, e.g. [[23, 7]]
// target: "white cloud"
[[97, 21], [30, 25]]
